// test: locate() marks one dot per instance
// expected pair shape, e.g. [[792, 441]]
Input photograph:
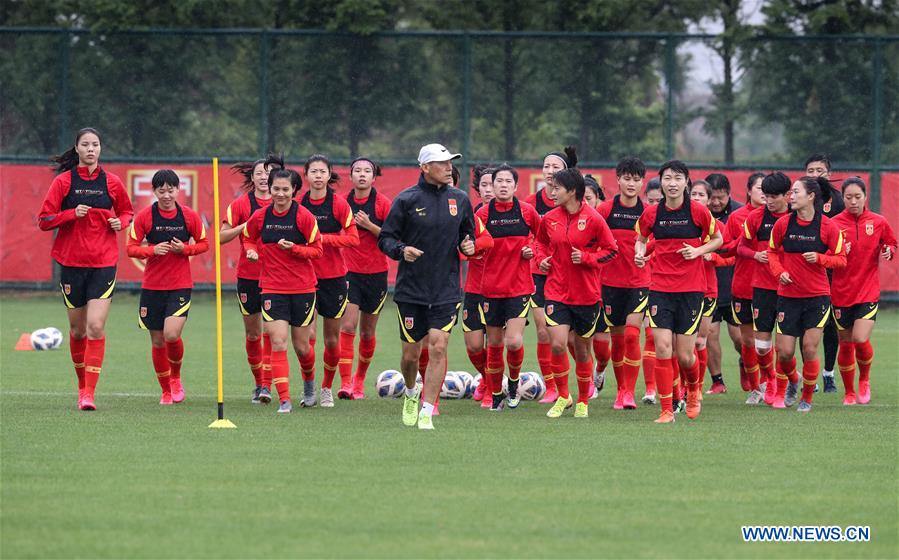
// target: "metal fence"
[[184, 95]]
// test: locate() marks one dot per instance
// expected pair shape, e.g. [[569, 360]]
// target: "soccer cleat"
[[763, 386], [255, 399], [778, 403], [830, 385], [551, 396], [479, 391], [486, 400], [849, 400], [358, 388], [326, 398], [804, 406], [177, 390], [285, 407], [770, 393], [580, 410], [166, 399], [628, 401], [410, 408], [744, 378], [694, 403], [864, 392], [594, 393], [754, 398], [345, 392], [666, 417], [792, 394], [599, 380], [425, 422], [679, 406], [87, 402], [649, 397], [308, 394], [513, 400], [559, 407], [619, 400], [717, 389], [497, 404], [265, 396]]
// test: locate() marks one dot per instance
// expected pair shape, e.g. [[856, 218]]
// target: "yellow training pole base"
[[223, 423]]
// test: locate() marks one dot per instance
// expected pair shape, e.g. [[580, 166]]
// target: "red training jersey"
[[542, 204], [790, 238], [741, 285], [865, 236], [690, 224], [338, 230], [366, 258], [88, 241], [285, 271], [622, 272], [172, 270], [239, 211], [559, 234], [757, 237], [512, 225], [710, 264]]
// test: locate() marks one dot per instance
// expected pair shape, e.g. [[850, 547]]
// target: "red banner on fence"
[[25, 250]]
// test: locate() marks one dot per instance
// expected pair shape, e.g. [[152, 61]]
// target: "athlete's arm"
[[50, 216]]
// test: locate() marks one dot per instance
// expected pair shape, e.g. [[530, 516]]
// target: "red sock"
[[561, 367], [347, 346], [254, 358], [810, 371], [584, 373], [266, 380], [781, 379], [545, 361], [281, 374], [751, 364], [649, 361], [330, 359], [792, 374], [846, 361], [93, 362], [702, 354], [176, 354], [864, 354], [478, 360], [691, 375], [76, 349], [161, 367], [679, 379], [495, 368], [307, 363], [366, 352], [766, 366], [617, 355], [603, 351], [515, 358], [631, 357], [423, 360], [664, 378]]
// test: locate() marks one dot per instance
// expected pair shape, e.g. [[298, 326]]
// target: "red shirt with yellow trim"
[[172, 270], [337, 229], [790, 238], [542, 204], [239, 211], [757, 233], [622, 271], [285, 271], [512, 225], [366, 258], [865, 237], [741, 286]]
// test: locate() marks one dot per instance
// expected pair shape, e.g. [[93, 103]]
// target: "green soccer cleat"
[[425, 421], [559, 407], [580, 410], [410, 408]]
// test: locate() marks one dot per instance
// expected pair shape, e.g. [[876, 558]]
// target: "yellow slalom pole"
[[221, 422]]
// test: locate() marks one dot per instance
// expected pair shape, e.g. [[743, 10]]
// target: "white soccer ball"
[[46, 339], [531, 386], [468, 380], [453, 386], [475, 383], [390, 383]]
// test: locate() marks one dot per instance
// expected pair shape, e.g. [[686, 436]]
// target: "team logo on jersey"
[[780, 317], [243, 298], [408, 322], [181, 300], [267, 304], [608, 310], [486, 307], [869, 228], [143, 311], [837, 313], [549, 309], [67, 288], [737, 306], [453, 208], [653, 310], [827, 206], [755, 313], [582, 224]]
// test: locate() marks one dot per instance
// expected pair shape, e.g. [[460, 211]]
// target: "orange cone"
[[24, 342]]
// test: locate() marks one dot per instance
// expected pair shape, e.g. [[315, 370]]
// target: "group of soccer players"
[[675, 257]]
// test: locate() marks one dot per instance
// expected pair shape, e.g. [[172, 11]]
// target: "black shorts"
[[417, 319], [80, 284], [538, 300], [764, 309], [678, 312], [583, 319], [499, 310], [249, 296], [797, 315], [709, 305], [723, 313], [368, 291], [296, 309], [473, 313], [618, 303], [331, 297], [844, 317], [741, 311], [156, 305]]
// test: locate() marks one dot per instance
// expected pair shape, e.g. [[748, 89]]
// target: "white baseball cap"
[[435, 152]]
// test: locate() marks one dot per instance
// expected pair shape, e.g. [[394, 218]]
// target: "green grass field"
[[138, 480]]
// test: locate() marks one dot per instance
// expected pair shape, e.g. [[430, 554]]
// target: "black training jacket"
[[435, 220]]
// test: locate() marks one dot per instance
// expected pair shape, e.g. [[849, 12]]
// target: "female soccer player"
[[366, 273], [473, 325], [653, 195], [507, 284], [88, 206], [543, 202], [256, 196], [684, 231], [284, 237], [338, 230], [572, 242], [856, 288], [168, 228], [803, 244]]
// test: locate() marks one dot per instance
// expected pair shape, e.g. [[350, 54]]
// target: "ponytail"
[[69, 158]]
